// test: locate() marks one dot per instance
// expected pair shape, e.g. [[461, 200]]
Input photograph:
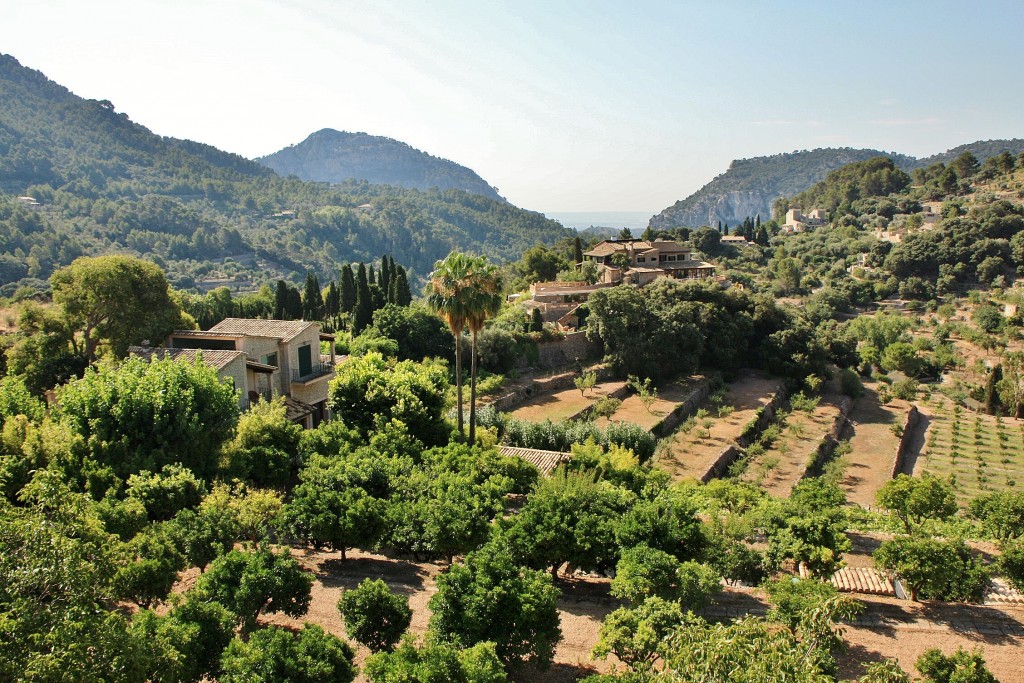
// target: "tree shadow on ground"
[[854, 660], [402, 576], [557, 673]]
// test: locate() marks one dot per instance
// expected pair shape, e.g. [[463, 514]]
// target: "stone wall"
[[828, 441], [684, 409], [730, 453], [909, 425], [542, 385], [563, 352]]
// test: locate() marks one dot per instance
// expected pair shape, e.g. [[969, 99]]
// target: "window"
[[270, 359]]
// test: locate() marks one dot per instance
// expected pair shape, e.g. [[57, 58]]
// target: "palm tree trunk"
[[472, 391], [458, 377]]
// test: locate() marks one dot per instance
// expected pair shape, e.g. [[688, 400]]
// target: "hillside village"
[[790, 449]]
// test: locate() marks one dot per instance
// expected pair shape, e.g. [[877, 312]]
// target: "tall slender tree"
[[448, 293], [385, 278], [577, 251], [312, 299], [485, 302], [401, 295], [348, 289], [280, 300], [362, 313]]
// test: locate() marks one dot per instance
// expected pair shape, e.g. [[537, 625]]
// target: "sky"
[[563, 105]]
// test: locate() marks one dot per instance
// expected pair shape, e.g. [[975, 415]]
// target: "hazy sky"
[[564, 106]]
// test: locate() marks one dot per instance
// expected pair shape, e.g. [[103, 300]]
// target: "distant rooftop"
[[285, 330], [546, 461]]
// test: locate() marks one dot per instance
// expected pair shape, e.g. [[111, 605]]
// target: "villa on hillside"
[[798, 221], [633, 262], [639, 262], [263, 359]]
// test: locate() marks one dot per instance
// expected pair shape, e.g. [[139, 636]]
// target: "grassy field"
[[983, 453]]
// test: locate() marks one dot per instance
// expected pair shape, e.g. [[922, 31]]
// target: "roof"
[[214, 358], [546, 461], [260, 367], [285, 330], [295, 410], [608, 247]]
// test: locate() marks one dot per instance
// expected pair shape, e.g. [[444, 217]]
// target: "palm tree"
[[448, 293], [484, 302]]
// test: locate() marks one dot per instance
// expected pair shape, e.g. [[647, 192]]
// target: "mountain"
[[750, 186], [982, 149], [103, 183], [334, 156]]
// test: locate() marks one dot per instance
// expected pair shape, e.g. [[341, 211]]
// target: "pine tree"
[[347, 294], [362, 314]]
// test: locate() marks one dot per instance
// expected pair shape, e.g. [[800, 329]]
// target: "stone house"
[[281, 358], [639, 262]]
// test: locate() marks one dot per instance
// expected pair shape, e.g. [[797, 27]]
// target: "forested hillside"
[[752, 186], [334, 156], [105, 183]]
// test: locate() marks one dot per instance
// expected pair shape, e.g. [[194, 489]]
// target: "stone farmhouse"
[[263, 359], [798, 221], [639, 262], [633, 262]]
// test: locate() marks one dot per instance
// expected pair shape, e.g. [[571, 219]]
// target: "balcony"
[[317, 371]]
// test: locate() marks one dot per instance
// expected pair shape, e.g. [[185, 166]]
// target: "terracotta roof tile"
[[284, 330], [546, 461], [214, 358]]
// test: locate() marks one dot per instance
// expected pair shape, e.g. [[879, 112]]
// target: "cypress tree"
[[385, 277], [332, 301], [725, 230], [372, 276], [720, 226], [762, 237], [347, 295], [280, 300], [757, 221], [402, 295], [536, 321], [293, 307], [992, 390], [577, 251], [362, 314], [312, 299]]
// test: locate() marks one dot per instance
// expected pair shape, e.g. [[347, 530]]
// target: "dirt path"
[[563, 404], [873, 445]]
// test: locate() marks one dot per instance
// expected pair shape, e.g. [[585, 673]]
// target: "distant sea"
[[581, 220]]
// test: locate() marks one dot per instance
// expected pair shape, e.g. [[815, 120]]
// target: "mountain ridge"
[[334, 156], [750, 186]]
